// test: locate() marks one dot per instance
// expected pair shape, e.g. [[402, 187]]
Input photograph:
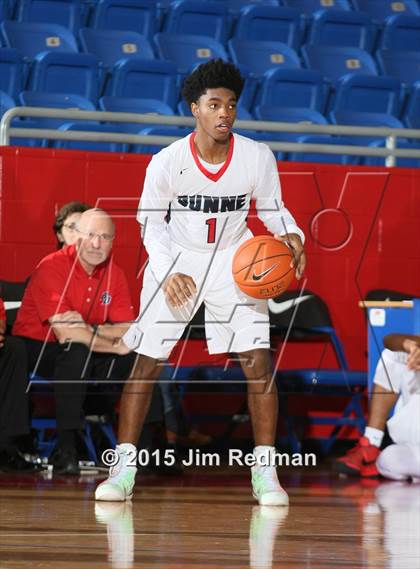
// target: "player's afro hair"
[[212, 75]]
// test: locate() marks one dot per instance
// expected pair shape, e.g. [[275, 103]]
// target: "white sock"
[[126, 447], [374, 436], [262, 454]]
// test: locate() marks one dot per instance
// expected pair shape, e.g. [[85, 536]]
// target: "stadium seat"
[[259, 56], [138, 106], [145, 79], [187, 51], [367, 93], [97, 146], [400, 162], [334, 62], [6, 9], [405, 65], [12, 76], [55, 101], [268, 23], [357, 118], [236, 6], [70, 73], [31, 39], [401, 33], [310, 6], [379, 10], [6, 103], [293, 88], [110, 46], [197, 17], [280, 114], [66, 13], [135, 15], [177, 131], [314, 156], [412, 112], [339, 28]]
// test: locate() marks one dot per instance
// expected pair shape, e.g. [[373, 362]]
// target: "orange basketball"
[[261, 267]]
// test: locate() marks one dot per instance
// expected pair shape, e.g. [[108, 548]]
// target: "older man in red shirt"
[[75, 309]]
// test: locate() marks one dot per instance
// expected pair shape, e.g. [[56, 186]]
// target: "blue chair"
[[405, 65], [134, 15], [187, 51], [12, 76], [310, 6], [269, 23], [198, 18], [334, 62], [313, 326], [31, 39], [110, 46], [401, 33], [177, 131], [289, 114], [70, 73], [400, 162], [6, 103], [95, 146], [358, 118], [55, 100], [236, 6], [314, 156], [293, 88], [339, 28], [130, 105], [367, 93], [412, 111], [145, 80], [6, 9], [379, 10], [66, 13], [259, 56]]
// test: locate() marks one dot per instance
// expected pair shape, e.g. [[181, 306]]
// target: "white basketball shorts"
[[234, 322]]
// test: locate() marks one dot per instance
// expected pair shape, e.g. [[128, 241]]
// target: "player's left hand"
[[413, 360], [299, 258]]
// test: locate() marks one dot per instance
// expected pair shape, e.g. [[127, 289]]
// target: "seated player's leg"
[[361, 460], [399, 462]]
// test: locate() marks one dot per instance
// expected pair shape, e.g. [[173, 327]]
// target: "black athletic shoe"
[[12, 461], [65, 460]]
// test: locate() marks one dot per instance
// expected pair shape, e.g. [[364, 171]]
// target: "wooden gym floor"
[[207, 519]]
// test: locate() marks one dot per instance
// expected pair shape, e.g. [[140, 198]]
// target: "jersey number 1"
[[211, 233]]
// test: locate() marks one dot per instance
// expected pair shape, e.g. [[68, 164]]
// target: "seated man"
[[74, 311], [397, 373], [14, 413]]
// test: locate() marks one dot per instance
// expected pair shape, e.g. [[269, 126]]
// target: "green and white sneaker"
[[266, 487], [118, 487]]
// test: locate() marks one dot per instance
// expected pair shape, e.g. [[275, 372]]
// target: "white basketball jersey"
[[208, 210]]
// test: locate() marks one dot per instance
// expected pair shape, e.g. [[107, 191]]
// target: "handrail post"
[[391, 144]]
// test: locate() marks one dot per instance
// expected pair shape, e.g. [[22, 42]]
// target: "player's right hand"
[[178, 289], [413, 360]]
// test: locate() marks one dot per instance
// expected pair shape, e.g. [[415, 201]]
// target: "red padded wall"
[[362, 224]]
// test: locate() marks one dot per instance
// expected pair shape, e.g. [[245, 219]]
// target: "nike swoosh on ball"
[[263, 274]]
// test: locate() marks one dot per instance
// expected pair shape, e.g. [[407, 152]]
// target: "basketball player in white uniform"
[[193, 212]]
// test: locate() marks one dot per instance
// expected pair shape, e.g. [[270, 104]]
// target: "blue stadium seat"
[[55, 101], [357, 118], [290, 114], [135, 15], [6, 9], [259, 56], [29, 142], [334, 62], [187, 51], [412, 111], [339, 28], [198, 18], [402, 33], [159, 131], [70, 73], [268, 23], [236, 6], [66, 13], [314, 156], [293, 88], [131, 105], [12, 76], [367, 93], [6, 103], [145, 79], [110, 46], [400, 162], [311, 6], [88, 145], [405, 65], [379, 10], [31, 39]]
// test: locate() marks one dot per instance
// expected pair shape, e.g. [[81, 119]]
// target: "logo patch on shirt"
[[106, 298]]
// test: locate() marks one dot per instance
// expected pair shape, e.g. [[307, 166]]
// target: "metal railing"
[[391, 151]]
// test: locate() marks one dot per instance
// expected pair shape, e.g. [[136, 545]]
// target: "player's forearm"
[[157, 244], [87, 337], [400, 342]]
